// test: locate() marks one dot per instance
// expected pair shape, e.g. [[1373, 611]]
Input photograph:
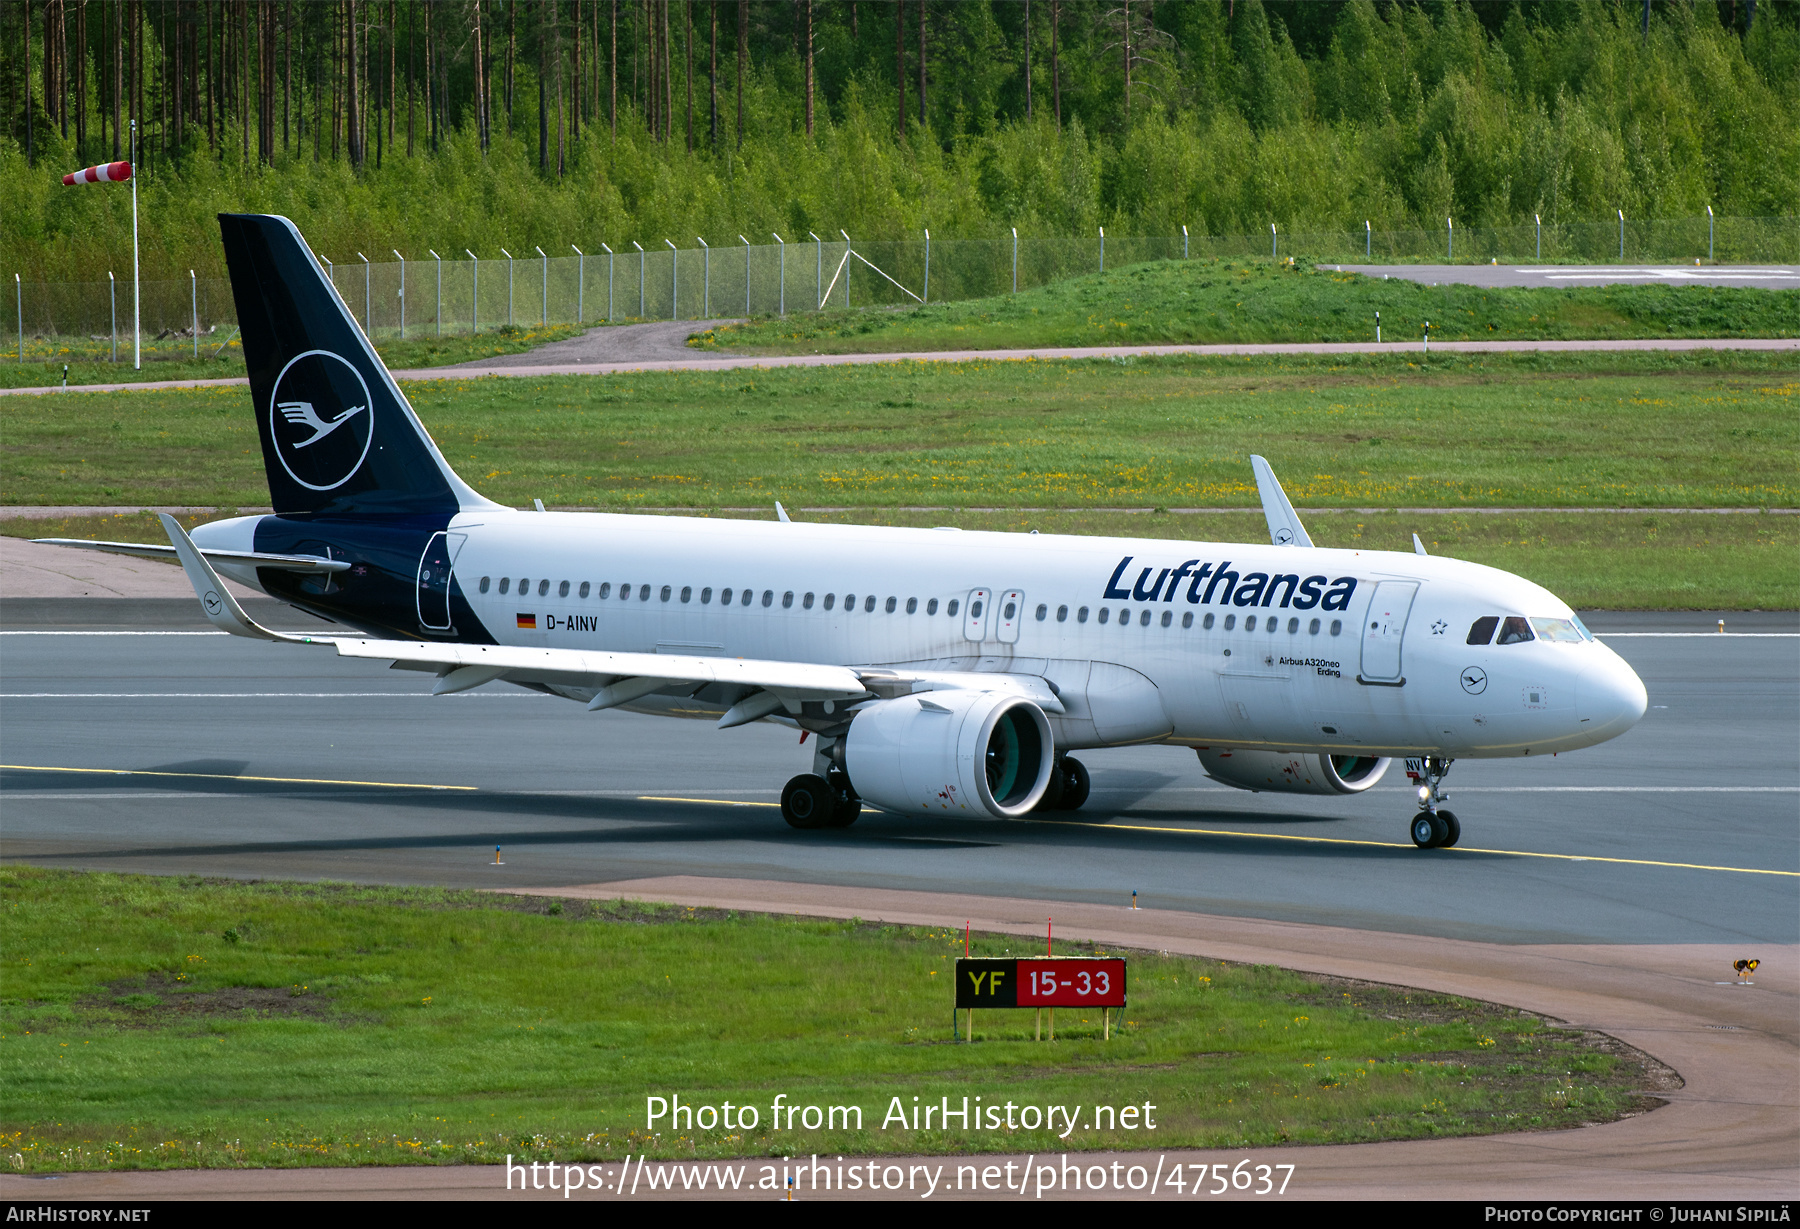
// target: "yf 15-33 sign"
[[1045, 981]]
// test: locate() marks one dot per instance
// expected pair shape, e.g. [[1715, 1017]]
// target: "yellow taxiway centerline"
[[219, 776], [1321, 840]]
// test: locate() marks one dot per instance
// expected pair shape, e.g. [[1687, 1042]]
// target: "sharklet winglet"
[[1285, 528]]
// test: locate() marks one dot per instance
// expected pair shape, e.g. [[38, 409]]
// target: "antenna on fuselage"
[[1285, 528]]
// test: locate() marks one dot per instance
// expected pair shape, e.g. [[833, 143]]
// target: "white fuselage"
[[1378, 667]]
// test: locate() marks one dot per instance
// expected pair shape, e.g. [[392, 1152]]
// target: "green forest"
[[449, 124]]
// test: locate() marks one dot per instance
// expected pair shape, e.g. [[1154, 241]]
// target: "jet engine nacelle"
[[1280, 771], [964, 752]]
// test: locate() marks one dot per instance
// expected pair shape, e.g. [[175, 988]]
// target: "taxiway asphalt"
[[133, 748]]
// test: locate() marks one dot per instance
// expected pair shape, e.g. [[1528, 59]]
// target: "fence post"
[[1184, 241], [674, 285], [640, 248], [706, 277], [846, 235], [509, 285], [783, 299], [1450, 230], [746, 244], [1709, 234], [368, 301], [1015, 231], [819, 269], [1368, 240], [1538, 223], [925, 300], [474, 294], [402, 294], [611, 259], [580, 284], [112, 291], [1103, 249], [1274, 252], [19, 302], [438, 313], [194, 310], [1621, 234], [544, 314]]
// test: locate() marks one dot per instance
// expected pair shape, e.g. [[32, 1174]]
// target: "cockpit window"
[[1514, 630], [1583, 629], [1482, 631], [1561, 630]]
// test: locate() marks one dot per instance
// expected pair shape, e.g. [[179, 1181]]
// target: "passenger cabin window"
[[543, 588], [892, 605], [746, 596], [724, 597], [1482, 630], [830, 600], [584, 588], [1337, 626], [912, 606], [869, 604], [768, 598], [1515, 630], [562, 590], [1043, 612], [1081, 615], [483, 586], [931, 607], [787, 600], [1168, 617], [687, 593], [951, 608], [1230, 622], [1062, 614], [807, 602], [1187, 619], [1206, 623]]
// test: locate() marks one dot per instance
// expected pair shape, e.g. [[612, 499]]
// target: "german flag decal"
[[528, 622]]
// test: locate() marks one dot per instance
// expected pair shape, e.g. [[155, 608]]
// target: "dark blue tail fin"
[[338, 437]]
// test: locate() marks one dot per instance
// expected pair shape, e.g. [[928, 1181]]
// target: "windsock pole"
[[114, 172]]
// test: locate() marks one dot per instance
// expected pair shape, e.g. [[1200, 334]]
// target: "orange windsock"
[[106, 172]]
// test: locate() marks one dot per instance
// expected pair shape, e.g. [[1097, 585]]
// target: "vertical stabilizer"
[[338, 437], [1285, 528]]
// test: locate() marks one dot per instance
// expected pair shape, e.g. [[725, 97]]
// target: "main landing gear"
[[1068, 787], [812, 801], [1433, 828]]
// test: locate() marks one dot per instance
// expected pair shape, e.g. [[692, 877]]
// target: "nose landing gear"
[[1432, 827]]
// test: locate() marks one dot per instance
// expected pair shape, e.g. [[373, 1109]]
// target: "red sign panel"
[[1071, 981]]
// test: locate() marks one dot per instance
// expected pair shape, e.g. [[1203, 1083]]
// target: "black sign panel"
[[987, 982]]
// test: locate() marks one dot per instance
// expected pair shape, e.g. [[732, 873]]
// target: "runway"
[[1756, 277], [134, 748]]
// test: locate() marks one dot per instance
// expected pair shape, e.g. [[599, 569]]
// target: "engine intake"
[[1278, 771], [950, 751]]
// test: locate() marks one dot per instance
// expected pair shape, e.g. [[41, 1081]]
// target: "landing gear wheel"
[[807, 802], [1429, 831], [1452, 828], [1075, 783], [846, 806], [1053, 792]]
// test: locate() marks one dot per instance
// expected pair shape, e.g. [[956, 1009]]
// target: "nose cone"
[[1609, 697]]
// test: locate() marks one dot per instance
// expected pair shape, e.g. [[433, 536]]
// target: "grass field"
[[1219, 300], [1455, 432], [1495, 430], [223, 356], [162, 1022]]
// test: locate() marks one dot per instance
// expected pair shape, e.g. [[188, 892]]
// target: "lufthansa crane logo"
[[320, 421], [1474, 680]]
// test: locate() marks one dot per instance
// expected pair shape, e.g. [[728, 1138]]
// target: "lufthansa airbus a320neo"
[[938, 671]]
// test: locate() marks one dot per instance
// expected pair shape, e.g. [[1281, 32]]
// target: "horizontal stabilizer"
[[255, 559]]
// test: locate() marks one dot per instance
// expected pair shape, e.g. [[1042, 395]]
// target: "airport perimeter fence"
[[423, 298]]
